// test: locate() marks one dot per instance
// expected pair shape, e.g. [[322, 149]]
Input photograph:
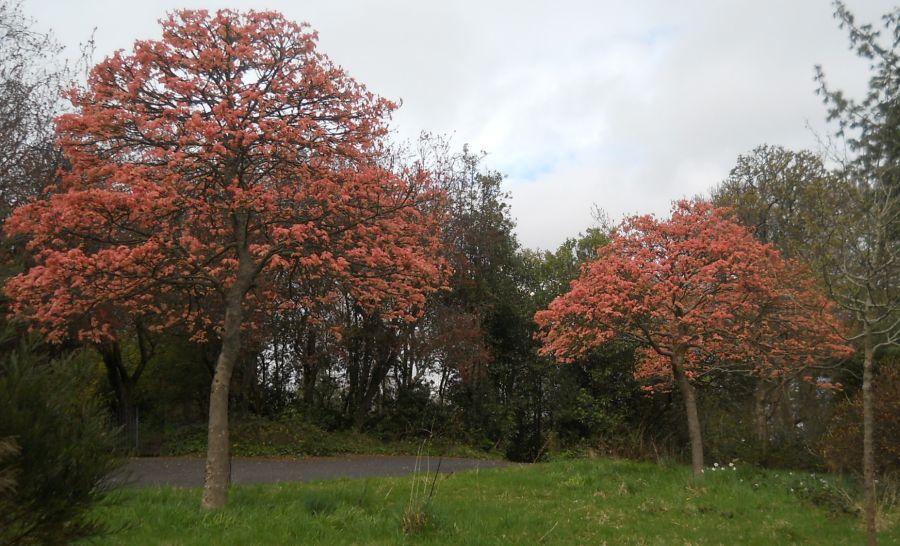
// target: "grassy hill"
[[599, 501]]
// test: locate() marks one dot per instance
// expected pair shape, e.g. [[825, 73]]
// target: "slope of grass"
[[570, 502]]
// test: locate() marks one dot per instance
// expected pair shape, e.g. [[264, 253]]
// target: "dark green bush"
[[412, 414], [58, 448], [9, 449]]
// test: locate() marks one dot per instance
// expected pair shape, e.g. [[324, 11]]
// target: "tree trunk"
[[786, 414], [218, 458], [693, 418], [312, 361], [762, 419], [122, 382], [868, 443], [379, 370], [112, 360], [538, 421], [118, 380], [445, 373]]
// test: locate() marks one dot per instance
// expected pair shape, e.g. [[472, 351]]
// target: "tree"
[[863, 270], [785, 198], [208, 165], [476, 327], [698, 293], [781, 195], [592, 397], [29, 99]]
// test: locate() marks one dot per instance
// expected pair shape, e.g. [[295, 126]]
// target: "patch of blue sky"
[[529, 171], [626, 157], [657, 36]]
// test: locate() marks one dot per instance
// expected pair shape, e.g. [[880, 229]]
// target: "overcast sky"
[[626, 105]]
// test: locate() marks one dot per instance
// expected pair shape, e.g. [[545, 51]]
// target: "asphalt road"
[[189, 471]]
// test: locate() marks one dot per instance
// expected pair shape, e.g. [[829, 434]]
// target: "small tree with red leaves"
[[209, 168], [699, 293]]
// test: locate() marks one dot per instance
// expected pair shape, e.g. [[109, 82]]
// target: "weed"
[[416, 515], [827, 494]]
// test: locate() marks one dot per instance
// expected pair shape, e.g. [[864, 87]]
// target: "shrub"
[[57, 448], [842, 445], [8, 451]]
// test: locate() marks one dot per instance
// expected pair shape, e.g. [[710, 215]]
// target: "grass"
[[298, 438], [570, 502]]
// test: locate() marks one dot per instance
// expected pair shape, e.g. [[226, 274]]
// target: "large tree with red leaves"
[[207, 169], [698, 293]]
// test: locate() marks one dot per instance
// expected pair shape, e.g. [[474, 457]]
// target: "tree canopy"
[[698, 292]]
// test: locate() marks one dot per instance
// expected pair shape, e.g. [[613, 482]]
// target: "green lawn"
[[571, 502]]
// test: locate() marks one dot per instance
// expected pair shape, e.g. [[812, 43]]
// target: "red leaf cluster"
[[696, 285]]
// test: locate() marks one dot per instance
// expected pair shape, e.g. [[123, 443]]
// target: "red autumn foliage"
[[698, 292], [226, 115]]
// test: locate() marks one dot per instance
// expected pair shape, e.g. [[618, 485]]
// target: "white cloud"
[[628, 106]]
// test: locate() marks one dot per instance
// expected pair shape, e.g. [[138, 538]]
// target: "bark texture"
[[218, 455], [869, 444], [693, 417]]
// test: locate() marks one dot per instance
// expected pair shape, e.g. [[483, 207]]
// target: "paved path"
[[189, 471]]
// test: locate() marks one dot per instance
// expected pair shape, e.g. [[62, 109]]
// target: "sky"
[[624, 106]]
